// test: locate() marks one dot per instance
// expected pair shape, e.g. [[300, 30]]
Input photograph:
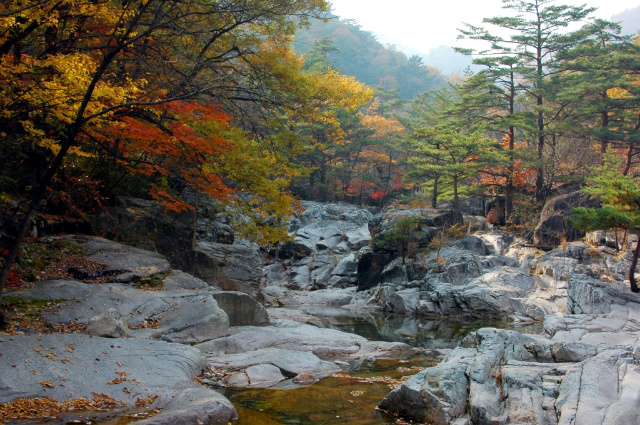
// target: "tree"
[[489, 98], [535, 39], [146, 82], [454, 156], [599, 82], [620, 196], [405, 237]]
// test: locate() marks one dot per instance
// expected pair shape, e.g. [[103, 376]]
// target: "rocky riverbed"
[[157, 338]]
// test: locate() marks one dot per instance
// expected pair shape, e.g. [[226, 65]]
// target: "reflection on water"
[[352, 397], [418, 332]]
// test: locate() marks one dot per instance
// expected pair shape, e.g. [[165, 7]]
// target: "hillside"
[[630, 20], [362, 56]]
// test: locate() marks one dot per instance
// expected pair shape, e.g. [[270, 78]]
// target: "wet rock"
[[258, 376], [305, 377], [289, 362]]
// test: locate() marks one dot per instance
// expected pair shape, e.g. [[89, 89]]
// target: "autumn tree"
[[158, 85]]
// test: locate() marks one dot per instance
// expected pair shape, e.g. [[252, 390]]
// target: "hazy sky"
[[417, 26]]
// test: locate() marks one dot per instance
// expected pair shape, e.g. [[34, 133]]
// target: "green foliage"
[[620, 196], [449, 148], [404, 238], [29, 307]]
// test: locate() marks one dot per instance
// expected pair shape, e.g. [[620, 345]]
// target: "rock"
[[125, 263], [109, 324], [322, 253], [149, 226], [437, 395], [78, 365], [236, 267], [370, 268], [553, 227], [327, 297], [604, 389], [258, 376], [347, 266], [178, 279], [242, 309], [172, 315], [284, 334], [496, 376], [305, 377], [290, 362]]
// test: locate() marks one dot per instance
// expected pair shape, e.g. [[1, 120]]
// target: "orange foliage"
[[521, 175], [174, 139]]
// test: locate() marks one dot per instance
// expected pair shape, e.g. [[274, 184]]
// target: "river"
[[351, 397]]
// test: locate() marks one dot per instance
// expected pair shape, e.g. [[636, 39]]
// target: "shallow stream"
[[351, 397]]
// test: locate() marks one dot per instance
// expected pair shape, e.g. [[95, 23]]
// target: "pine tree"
[[454, 156], [535, 38], [599, 80], [620, 195]]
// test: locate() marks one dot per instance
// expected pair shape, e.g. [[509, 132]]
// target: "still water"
[[351, 397]]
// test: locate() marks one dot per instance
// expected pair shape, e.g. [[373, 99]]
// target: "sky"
[[417, 26]]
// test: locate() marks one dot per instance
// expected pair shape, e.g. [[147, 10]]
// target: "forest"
[[172, 100]]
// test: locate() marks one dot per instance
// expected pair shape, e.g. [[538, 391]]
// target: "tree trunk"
[[508, 190], [66, 144], [632, 269], [434, 194], [540, 167]]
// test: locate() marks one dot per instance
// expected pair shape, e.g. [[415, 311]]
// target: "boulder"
[[109, 324], [553, 227], [258, 376], [124, 263], [289, 362], [76, 366], [495, 376], [148, 225], [288, 335], [370, 268], [322, 253], [178, 279], [236, 267], [242, 309]]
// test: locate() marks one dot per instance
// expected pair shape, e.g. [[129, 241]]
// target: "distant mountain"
[[448, 60], [362, 56], [630, 20]]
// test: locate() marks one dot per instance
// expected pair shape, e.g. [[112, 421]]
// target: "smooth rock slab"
[[290, 363], [126, 263], [603, 390], [77, 365], [178, 316], [290, 335], [262, 375]]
